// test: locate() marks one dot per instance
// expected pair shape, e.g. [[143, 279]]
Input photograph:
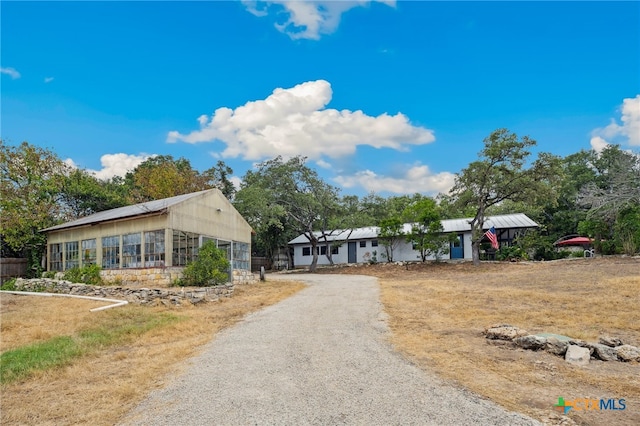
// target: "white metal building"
[[360, 245]]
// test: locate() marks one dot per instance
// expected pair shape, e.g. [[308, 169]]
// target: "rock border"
[[139, 296], [575, 351]]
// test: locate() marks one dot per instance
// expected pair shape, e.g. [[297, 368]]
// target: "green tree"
[[426, 229], [83, 194], [500, 175], [30, 184], [218, 176], [210, 268], [627, 230], [611, 200], [162, 176], [290, 196], [617, 185], [391, 234]]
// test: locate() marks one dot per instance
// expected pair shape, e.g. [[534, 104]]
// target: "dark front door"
[[352, 256], [457, 248]]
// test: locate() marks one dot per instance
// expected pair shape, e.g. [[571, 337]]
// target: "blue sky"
[[392, 97]]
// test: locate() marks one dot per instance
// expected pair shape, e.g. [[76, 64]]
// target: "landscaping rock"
[[504, 332], [531, 342], [556, 346], [610, 341], [628, 353], [582, 344], [604, 352], [577, 355]]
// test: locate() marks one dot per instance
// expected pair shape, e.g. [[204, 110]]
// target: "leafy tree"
[[612, 198], [31, 181], [391, 234], [162, 176], [290, 196], [210, 268], [426, 229], [500, 175], [83, 194], [218, 177], [617, 184], [627, 230], [560, 218]]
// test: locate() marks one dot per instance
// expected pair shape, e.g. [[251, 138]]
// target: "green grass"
[[118, 327]]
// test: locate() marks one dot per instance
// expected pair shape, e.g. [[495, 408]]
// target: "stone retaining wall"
[[242, 276], [148, 277], [141, 295], [162, 277]]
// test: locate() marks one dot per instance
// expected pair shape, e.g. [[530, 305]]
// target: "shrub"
[[49, 274], [9, 285], [89, 274], [512, 253], [210, 268]]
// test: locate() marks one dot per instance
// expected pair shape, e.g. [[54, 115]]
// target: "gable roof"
[[140, 209], [507, 221]]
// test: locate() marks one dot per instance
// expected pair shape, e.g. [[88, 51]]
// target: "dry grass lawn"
[[98, 389], [438, 312]]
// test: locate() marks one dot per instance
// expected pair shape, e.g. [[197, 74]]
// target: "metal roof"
[[517, 220], [155, 206]]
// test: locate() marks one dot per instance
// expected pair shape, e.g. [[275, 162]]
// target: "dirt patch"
[[438, 312]]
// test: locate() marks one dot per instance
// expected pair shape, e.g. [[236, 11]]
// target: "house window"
[[131, 251], [89, 252], [71, 255], [110, 252], [154, 248], [241, 256], [306, 251], [185, 247], [363, 243], [55, 257], [334, 250], [374, 243], [414, 245], [323, 250]]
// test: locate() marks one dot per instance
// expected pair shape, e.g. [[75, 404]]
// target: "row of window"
[[85, 252], [126, 251], [306, 251]]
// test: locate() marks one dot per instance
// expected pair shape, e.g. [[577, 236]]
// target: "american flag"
[[491, 235]]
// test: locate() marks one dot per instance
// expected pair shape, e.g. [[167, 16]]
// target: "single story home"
[[156, 237], [361, 245]]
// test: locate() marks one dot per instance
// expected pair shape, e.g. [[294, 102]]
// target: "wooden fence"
[[11, 267]]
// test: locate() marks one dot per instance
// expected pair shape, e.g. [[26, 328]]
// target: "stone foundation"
[[148, 277], [138, 295], [242, 276], [162, 277]]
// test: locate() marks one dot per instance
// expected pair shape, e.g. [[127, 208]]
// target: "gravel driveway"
[[317, 358]]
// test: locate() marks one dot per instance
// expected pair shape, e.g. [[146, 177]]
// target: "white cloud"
[[69, 162], [627, 132], [323, 164], [598, 144], [236, 181], [48, 79], [308, 19], [11, 72], [118, 164], [294, 121], [416, 179]]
